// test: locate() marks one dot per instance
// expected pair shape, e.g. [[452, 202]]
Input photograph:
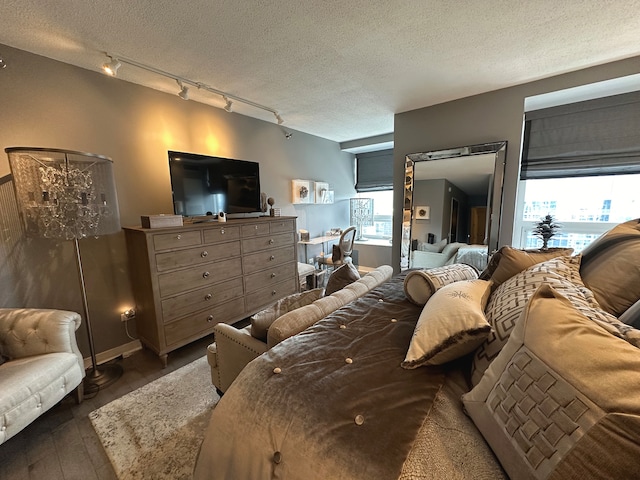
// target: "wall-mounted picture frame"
[[422, 212], [323, 194], [302, 191]]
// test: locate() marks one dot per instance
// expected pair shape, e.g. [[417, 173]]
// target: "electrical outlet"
[[128, 315]]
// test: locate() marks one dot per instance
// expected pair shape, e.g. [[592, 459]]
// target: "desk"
[[317, 241]]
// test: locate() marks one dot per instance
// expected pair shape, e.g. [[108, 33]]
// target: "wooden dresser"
[[187, 279]]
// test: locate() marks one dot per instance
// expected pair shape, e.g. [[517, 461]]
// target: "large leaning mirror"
[[452, 205]]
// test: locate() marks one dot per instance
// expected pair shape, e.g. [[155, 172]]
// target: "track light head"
[[288, 135], [227, 107], [184, 91], [3, 64], [111, 68], [278, 118]]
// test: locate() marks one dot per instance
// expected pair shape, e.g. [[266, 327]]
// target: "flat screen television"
[[204, 186]]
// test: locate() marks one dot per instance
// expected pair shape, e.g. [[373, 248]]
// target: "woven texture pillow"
[[261, 321], [419, 285], [451, 325], [611, 267], [341, 277], [562, 400], [507, 302]]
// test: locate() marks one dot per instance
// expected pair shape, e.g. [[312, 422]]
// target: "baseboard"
[[120, 351]]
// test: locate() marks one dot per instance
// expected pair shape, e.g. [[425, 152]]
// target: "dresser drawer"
[[164, 241], [251, 245], [181, 305], [221, 233], [194, 256], [267, 296], [255, 229], [271, 276], [267, 259], [196, 277], [204, 320], [282, 226]]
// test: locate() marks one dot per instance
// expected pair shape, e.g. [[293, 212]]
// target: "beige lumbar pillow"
[[562, 399], [451, 325], [419, 285]]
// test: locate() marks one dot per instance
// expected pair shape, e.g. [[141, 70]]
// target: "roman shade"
[[374, 171], [594, 137]]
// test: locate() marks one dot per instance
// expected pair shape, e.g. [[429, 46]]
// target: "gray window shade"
[[595, 137], [374, 171]]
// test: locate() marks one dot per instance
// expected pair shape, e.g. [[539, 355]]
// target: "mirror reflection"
[[452, 206]]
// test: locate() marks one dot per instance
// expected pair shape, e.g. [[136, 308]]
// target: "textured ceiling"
[[335, 69]]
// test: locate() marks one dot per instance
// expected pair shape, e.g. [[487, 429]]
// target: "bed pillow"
[[261, 321], [562, 400], [632, 315], [507, 262], [419, 285], [341, 277], [451, 325], [611, 267], [507, 302]]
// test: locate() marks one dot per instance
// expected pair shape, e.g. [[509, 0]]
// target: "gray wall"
[[489, 117], [46, 103]]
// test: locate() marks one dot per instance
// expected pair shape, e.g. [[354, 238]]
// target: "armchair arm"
[[29, 331], [234, 350]]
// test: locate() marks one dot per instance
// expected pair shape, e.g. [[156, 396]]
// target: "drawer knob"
[[273, 292], [208, 296], [256, 227], [272, 257], [222, 231], [179, 237], [271, 241], [204, 254], [205, 274], [210, 318], [273, 275]]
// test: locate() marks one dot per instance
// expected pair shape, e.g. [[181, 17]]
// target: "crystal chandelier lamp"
[[67, 195]]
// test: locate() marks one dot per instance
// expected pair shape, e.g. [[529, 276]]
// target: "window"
[[374, 179], [580, 164], [585, 207]]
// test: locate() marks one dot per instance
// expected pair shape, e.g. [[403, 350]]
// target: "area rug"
[[156, 430]]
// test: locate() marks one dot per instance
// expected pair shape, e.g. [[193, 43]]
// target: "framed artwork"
[[323, 194], [302, 191]]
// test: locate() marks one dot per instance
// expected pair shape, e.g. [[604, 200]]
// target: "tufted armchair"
[[40, 363]]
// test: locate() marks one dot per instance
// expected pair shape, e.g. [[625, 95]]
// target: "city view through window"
[[585, 207]]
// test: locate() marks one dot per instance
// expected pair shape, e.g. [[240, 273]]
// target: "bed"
[[311, 405]]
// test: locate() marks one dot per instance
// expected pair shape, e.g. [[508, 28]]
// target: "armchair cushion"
[[261, 321]]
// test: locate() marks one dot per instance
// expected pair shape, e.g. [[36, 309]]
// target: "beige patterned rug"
[[155, 431]]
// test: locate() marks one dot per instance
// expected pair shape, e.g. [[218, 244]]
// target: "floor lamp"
[[361, 214], [68, 195]]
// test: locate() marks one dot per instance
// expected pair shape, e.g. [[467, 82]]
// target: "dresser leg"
[[164, 359]]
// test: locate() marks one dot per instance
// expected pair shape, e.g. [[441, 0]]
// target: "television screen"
[[204, 185]]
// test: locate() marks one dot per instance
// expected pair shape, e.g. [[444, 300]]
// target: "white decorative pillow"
[[508, 301], [451, 325], [419, 285]]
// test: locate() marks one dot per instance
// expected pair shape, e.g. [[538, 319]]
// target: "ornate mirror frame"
[[495, 195]]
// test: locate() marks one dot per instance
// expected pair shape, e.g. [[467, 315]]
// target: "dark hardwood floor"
[[62, 444]]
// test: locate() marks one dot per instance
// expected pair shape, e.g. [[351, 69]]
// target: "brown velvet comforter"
[[329, 403]]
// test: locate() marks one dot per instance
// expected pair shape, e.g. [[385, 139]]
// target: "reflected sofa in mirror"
[[452, 205]]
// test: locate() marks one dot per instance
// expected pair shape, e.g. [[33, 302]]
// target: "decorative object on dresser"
[[68, 195], [160, 221], [361, 213], [188, 279], [271, 201]]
